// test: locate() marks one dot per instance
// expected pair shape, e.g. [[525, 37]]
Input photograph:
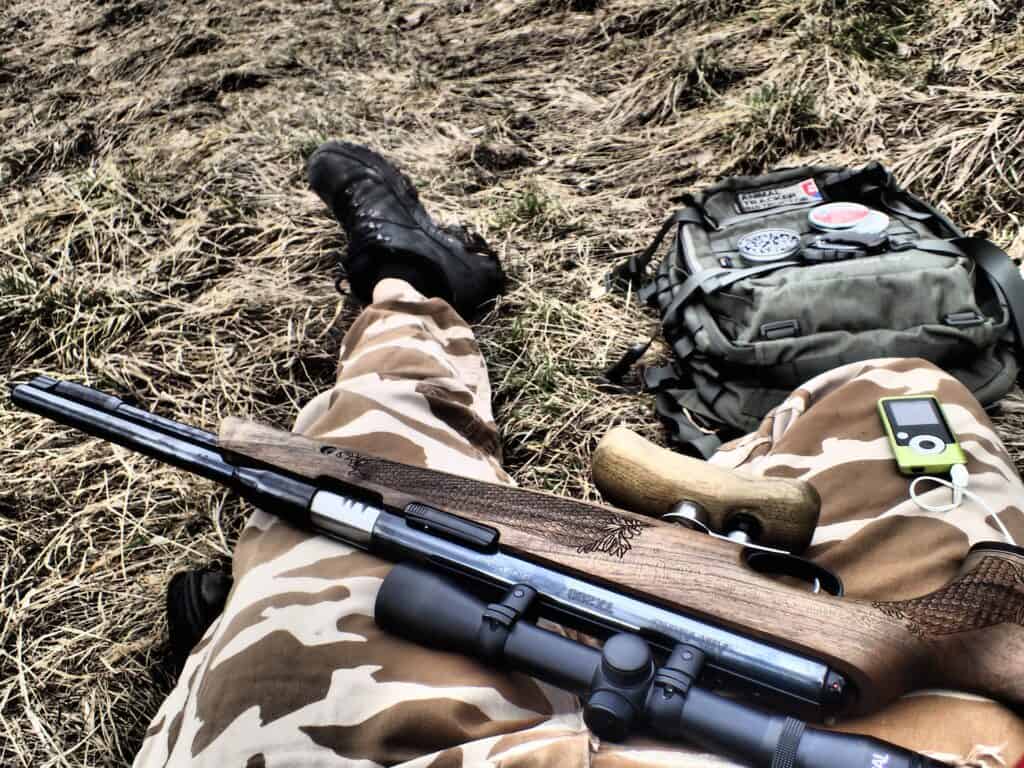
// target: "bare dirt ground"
[[157, 239]]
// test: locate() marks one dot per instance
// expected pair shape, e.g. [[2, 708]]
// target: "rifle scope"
[[621, 685]]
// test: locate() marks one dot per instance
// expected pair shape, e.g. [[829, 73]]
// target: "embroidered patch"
[[763, 199]]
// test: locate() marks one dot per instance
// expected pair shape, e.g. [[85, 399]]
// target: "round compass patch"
[[769, 245]]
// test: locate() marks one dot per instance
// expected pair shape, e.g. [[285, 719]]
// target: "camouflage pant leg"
[[884, 547], [879, 541], [295, 672]]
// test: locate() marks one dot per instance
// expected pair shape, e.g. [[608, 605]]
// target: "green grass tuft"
[[875, 31]]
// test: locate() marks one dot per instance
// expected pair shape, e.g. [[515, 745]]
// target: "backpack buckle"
[[963, 319], [900, 242], [780, 329]]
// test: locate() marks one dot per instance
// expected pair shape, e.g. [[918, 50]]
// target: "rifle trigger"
[[451, 527]]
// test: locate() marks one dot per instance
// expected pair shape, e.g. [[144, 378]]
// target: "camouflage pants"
[[295, 672]]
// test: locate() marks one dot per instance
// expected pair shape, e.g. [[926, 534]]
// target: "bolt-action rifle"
[[709, 620]]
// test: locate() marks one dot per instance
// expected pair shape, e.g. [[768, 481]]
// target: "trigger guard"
[[785, 564]]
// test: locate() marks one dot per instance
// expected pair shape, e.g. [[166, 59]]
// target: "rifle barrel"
[[111, 419]]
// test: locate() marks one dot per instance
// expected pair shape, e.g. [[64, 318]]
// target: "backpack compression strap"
[[998, 267], [1004, 275], [633, 268], [711, 281]]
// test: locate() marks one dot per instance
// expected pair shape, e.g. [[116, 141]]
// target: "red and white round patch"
[[838, 215]]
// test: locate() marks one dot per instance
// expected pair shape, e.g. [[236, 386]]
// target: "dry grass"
[[157, 239]]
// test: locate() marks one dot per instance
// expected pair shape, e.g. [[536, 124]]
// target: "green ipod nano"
[[920, 435]]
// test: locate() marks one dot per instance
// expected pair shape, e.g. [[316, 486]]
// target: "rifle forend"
[[968, 635]]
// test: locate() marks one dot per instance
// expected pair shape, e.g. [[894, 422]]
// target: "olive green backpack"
[[747, 330]]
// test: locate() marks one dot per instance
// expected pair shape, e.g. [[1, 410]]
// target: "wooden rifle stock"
[[967, 635]]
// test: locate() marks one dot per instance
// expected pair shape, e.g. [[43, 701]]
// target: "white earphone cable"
[[958, 484]]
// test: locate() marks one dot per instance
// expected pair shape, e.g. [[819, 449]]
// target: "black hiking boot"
[[194, 601], [390, 234]]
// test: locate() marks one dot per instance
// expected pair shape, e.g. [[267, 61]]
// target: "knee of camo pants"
[[882, 544]]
